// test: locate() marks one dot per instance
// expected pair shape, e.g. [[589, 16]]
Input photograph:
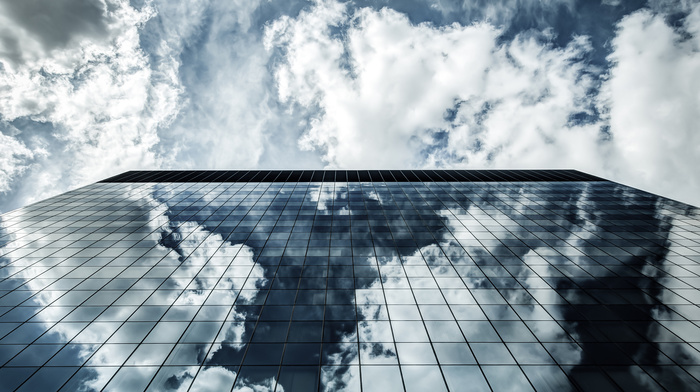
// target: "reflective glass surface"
[[351, 286]]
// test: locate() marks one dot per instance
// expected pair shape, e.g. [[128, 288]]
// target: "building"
[[351, 281]]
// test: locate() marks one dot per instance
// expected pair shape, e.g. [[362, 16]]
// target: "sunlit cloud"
[[89, 89]]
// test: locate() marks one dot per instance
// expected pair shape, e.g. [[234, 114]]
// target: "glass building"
[[351, 281]]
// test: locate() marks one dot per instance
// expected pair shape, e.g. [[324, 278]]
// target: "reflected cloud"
[[416, 284], [183, 249]]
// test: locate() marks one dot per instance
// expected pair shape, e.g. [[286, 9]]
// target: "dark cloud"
[[54, 23]]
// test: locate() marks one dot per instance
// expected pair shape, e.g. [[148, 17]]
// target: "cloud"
[[653, 103], [40, 25], [394, 94], [83, 101], [506, 12], [223, 71], [199, 246], [231, 118], [91, 88], [120, 87], [379, 91], [15, 158]]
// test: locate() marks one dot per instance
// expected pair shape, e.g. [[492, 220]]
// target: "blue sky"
[[92, 88]]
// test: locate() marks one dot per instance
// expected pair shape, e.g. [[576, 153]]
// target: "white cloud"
[[90, 103], [120, 87], [654, 105], [212, 379], [382, 92], [188, 85], [231, 119], [15, 158]]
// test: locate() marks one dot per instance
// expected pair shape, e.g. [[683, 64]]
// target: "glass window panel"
[[24, 334], [492, 354], [340, 378], [468, 312], [149, 354], [111, 355], [340, 312], [548, 378], [299, 378], [404, 312], [189, 354], [409, 331], [271, 331], [454, 354], [264, 354], [423, 378], [131, 378], [339, 353], [459, 376], [214, 378], [339, 331], [166, 332], [381, 379], [7, 351], [48, 379], [308, 312], [34, 355], [513, 331], [507, 378], [479, 331], [302, 354], [436, 312], [169, 376], [530, 354], [378, 354], [201, 332], [96, 378], [444, 331], [592, 379], [132, 332], [257, 377], [415, 353]]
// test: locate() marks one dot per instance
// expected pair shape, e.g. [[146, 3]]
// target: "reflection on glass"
[[350, 287]]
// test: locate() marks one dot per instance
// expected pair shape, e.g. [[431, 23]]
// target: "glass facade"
[[351, 281]]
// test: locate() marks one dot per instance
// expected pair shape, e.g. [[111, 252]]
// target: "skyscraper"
[[351, 281]]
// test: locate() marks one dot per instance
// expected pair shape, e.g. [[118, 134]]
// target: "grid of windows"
[[350, 176], [350, 286]]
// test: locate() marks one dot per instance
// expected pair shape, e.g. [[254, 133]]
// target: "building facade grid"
[[481, 285]]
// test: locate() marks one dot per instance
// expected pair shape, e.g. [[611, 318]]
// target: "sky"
[[93, 88]]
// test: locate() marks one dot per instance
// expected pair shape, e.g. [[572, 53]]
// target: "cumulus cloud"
[[232, 118], [35, 26], [90, 88], [14, 160], [121, 86], [394, 94], [223, 70], [78, 94], [380, 91], [653, 103]]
